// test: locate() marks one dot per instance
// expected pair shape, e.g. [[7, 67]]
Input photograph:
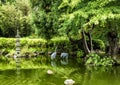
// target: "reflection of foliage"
[[96, 60], [39, 59], [66, 72], [98, 68], [80, 54], [4, 60]]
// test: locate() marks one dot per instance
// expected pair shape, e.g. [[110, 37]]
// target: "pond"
[[80, 74]]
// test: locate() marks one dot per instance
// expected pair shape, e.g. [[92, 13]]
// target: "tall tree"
[[15, 15], [46, 17], [83, 16]]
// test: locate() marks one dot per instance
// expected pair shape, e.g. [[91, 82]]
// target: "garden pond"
[[80, 74]]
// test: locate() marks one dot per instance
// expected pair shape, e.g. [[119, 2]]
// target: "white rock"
[[69, 82], [49, 72]]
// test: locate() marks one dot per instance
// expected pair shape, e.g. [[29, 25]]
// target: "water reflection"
[[101, 76], [81, 75], [64, 62], [54, 63], [18, 70]]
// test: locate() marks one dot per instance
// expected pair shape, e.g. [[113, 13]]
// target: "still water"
[[81, 75]]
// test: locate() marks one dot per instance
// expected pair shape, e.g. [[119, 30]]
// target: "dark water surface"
[[81, 75]]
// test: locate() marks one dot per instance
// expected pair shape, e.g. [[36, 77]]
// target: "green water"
[[81, 75]]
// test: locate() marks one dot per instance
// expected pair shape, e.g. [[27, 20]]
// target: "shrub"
[[7, 42], [10, 42], [32, 45], [7, 45], [93, 59], [96, 60], [33, 42], [62, 43]]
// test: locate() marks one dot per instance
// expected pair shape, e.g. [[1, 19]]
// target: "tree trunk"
[[90, 41], [113, 43], [85, 45]]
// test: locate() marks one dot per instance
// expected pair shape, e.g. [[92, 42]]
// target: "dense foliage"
[[46, 18], [31, 46], [96, 60], [15, 16], [78, 20]]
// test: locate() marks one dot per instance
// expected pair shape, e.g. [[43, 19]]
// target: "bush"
[[10, 42], [7, 45], [62, 43], [7, 42], [93, 59], [32, 45], [33, 42], [96, 60]]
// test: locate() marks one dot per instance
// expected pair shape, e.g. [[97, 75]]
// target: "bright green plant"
[[93, 59], [39, 60], [107, 61], [96, 60]]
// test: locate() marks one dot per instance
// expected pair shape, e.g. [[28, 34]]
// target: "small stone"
[[49, 72], [69, 82]]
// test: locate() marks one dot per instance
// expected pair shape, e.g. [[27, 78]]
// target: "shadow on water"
[[81, 74], [101, 76]]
